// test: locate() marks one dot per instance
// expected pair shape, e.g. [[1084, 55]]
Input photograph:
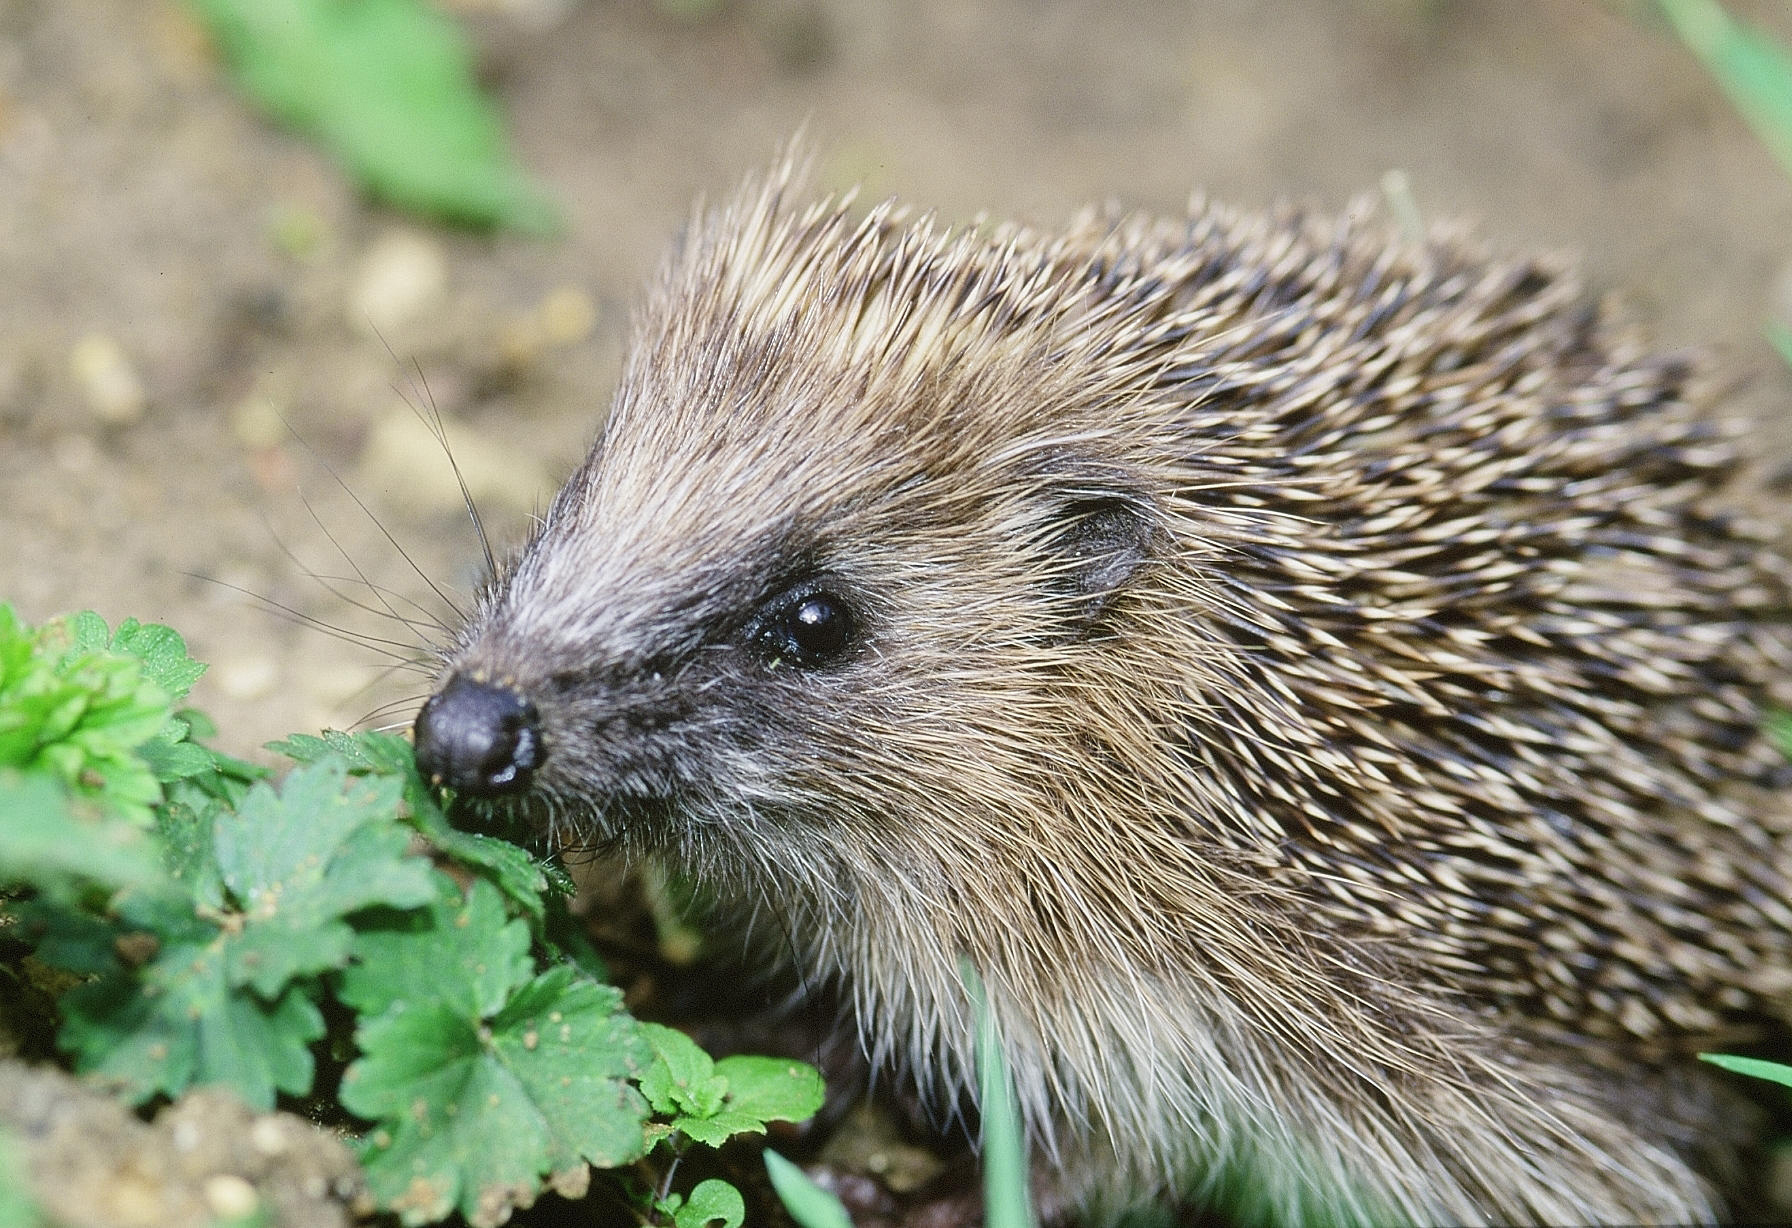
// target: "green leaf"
[[682, 1080], [473, 1111], [162, 651], [1007, 1192], [713, 1202], [269, 889], [77, 710], [466, 954], [50, 844], [299, 861], [182, 1023], [388, 87], [1773, 1072], [509, 868], [772, 1088], [809, 1205], [702, 1099]]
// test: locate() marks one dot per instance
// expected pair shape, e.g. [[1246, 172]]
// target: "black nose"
[[478, 738]]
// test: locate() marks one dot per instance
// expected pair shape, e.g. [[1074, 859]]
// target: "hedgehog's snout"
[[479, 738]]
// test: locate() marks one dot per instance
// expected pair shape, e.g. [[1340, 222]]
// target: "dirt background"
[[182, 283]]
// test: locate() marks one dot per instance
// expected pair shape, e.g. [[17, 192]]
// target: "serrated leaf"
[[66, 937], [170, 757], [163, 653], [701, 1098], [462, 953], [72, 708], [513, 870], [184, 829], [772, 1088], [183, 1024], [716, 1128], [298, 861], [473, 1112], [713, 1204], [682, 1080], [388, 87], [1773, 1072], [809, 1205], [269, 888]]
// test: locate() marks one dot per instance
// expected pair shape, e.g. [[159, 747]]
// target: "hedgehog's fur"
[[1317, 679]]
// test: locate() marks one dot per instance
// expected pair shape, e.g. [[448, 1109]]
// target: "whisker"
[[399, 652], [437, 427], [377, 523]]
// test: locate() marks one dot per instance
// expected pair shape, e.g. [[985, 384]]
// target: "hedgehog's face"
[[722, 638]]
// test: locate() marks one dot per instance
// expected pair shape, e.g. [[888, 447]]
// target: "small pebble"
[[185, 1135], [402, 277], [567, 316], [268, 1138], [75, 455], [230, 1197], [108, 381]]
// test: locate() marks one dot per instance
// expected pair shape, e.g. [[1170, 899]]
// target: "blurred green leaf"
[[388, 87], [1007, 1197], [47, 842], [808, 1204]]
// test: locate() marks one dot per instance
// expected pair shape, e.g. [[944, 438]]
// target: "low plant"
[[328, 941]]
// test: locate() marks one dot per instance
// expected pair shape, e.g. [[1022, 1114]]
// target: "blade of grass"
[[1007, 1197], [1753, 69], [808, 1204], [1773, 1072]]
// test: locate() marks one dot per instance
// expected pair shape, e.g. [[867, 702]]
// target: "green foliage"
[[1773, 1072], [388, 87], [710, 1101], [76, 704], [809, 1205], [57, 844], [217, 923], [711, 1204], [524, 881], [453, 1015]]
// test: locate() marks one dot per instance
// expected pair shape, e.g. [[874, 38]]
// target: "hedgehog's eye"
[[809, 631]]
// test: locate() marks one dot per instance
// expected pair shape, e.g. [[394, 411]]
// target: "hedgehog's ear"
[[1102, 539]]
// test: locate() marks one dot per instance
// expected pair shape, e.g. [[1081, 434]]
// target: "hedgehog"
[[1314, 675]]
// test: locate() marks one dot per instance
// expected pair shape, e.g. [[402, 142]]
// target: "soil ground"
[[194, 406]]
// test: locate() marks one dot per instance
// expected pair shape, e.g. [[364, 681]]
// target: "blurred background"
[[205, 323]]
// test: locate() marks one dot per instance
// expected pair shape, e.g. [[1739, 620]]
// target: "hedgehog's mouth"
[[574, 829]]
